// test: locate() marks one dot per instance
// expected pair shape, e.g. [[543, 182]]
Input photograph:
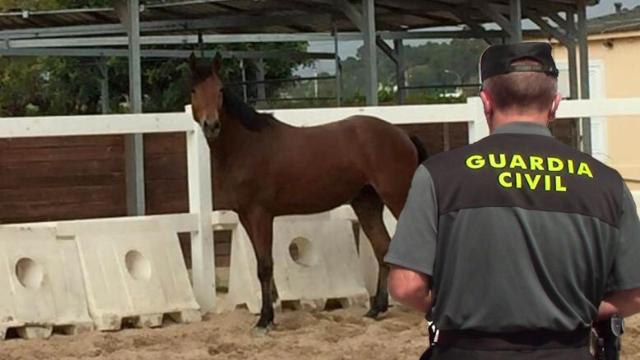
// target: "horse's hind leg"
[[368, 207], [259, 227]]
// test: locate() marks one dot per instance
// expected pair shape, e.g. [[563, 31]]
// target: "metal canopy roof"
[[621, 20], [251, 16]]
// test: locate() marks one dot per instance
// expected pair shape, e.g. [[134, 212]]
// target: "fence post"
[[478, 127], [201, 205]]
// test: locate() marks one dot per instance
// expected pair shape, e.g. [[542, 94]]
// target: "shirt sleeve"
[[625, 273], [414, 244]]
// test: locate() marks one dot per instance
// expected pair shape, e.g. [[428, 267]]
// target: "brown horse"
[[264, 168]]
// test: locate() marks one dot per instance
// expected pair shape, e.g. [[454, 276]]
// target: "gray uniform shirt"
[[518, 232]]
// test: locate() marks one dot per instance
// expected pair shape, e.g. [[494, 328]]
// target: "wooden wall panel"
[[61, 178]]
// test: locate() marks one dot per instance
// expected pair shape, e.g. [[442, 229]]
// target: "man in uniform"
[[514, 245]]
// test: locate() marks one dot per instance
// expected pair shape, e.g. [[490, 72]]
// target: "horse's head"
[[206, 96]]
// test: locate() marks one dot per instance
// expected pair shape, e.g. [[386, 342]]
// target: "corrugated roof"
[[295, 15], [623, 20]]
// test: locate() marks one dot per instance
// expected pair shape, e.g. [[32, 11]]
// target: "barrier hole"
[[137, 265], [301, 251], [29, 273]]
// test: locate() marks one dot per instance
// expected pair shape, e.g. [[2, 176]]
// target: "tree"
[[425, 65], [57, 86]]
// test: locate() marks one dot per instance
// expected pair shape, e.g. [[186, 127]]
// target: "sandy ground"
[[331, 335]]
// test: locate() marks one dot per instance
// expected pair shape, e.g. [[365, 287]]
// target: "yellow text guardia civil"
[[550, 178]]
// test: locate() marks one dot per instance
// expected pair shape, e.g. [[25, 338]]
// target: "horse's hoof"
[[375, 312], [372, 314], [260, 332]]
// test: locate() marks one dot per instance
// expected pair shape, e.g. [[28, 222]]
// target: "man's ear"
[[487, 103], [554, 107]]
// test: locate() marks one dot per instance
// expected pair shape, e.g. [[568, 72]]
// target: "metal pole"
[[134, 145], [262, 94], [370, 52], [104, 85], [583, 45], [336, 49], [400, 67], [243, 71], [572, 55], [515, 14]]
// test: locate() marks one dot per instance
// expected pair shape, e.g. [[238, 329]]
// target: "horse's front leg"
[[259, 226]]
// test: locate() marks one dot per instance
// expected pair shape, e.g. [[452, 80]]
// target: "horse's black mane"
[[233, 104], [245, 113], [200, 74]]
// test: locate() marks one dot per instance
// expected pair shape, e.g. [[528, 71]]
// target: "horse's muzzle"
[[212, 131]]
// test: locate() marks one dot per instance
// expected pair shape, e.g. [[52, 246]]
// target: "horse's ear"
[[217, 63], [193, 66]]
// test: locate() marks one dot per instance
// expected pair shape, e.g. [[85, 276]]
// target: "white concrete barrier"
[[315, 259], [636, 197], [41, 283], [133, 269], [244, 287], [367, 261]]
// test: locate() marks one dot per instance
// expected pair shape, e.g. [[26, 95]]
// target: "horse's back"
[[377, 134]]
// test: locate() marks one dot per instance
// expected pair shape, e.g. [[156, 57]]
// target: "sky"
[[349, 48]]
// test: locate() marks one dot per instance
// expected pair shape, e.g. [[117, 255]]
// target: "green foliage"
[[56, 86], [46, 86], [425, 64]]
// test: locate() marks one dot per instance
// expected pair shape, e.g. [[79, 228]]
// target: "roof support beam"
[[104, 84], [477, 31], [473, 25], [461, 12], [386, 49], [370, 54], [365, 21], [400, 71], [557, 33], [572, 56], [494, 14], [293, 17], [515, 15], [583, 49], [358, 20], [338, 65], [161, 53], [559, 20], [550, 5], [350, 12], [417, 5], [129, 14]]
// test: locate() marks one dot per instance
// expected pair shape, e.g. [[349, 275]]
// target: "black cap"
[[498, 59]]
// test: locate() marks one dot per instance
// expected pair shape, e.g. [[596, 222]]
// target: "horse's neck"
[[235, 140]]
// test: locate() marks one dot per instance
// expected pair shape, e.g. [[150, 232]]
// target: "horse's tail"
[[422, 150]]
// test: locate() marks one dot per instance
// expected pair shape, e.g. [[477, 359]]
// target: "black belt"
[[524, 340]]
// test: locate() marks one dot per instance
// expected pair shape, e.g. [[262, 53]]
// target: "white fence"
[[198, 221]]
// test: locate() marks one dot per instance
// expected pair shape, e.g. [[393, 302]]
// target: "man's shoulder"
[[598, 165], [448, 155], [447, 160], [516, 147]]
